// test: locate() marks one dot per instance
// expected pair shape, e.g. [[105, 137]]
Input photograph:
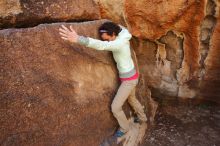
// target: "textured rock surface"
[[173, 60], [52, 92], [45, 81], [21, 13], [112, 9], [173, 38], [173, 41], [211, 82], [57, 93], [176, 61]]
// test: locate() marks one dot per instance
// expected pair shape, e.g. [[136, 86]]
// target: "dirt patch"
[[186, 126]]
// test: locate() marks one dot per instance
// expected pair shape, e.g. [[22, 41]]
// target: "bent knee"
[[115, 108]]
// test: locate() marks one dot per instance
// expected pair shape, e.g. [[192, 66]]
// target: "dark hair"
[[109, 28]]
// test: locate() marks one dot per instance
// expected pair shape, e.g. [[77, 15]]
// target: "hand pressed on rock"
[[68, 34]]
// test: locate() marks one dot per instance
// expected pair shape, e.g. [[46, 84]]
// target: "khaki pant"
[[127, 88]]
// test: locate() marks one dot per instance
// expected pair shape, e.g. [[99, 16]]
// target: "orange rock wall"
[[172, 42]]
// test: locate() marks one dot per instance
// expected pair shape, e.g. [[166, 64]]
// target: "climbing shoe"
[[138, 120], [119, 133]]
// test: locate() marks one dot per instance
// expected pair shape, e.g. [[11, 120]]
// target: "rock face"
[[16, 13], [211, 82], [54, 92], [172, 45], [179, 34]]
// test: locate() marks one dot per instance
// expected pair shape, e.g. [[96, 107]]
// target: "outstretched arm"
[[73, 37]]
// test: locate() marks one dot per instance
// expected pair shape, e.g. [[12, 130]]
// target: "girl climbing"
[[115, 38]]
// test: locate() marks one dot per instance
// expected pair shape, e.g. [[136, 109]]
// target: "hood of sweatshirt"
[[124, 34]]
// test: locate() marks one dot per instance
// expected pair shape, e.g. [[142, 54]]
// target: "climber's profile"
[[114, 38]]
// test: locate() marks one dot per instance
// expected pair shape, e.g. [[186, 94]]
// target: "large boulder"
[[54, 92], [57, 93], [16, 13]]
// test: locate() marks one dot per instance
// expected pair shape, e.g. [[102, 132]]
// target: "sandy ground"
[[185, 125]]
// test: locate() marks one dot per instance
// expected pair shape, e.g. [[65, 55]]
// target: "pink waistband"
[[135, 76]]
